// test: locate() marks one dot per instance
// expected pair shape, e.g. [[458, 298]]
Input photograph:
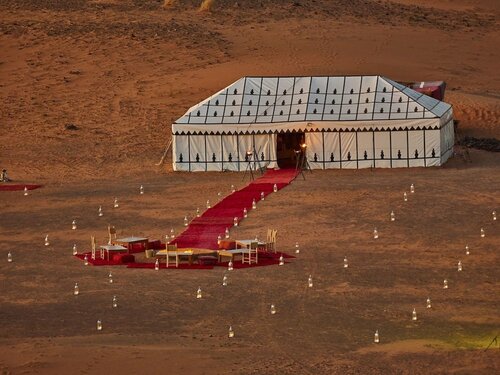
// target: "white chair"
[[93, 245], [171, 252], [111, 234], [271, 240], [251, 255]]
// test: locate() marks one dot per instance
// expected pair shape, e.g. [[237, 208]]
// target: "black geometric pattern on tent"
[[306, 130], [361, 156], [214, 158], [314, 101]]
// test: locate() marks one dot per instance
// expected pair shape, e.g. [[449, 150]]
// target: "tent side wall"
[[226, 152], [378, 149], [447, 136]]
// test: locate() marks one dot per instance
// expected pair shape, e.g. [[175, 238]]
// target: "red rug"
[[202, 232], [265, 259], [163, 266], [98, 261], [14, 187]]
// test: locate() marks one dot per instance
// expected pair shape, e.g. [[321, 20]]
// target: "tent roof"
[[265, 100]]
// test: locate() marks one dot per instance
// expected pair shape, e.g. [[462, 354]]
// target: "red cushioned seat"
[[137, 248], [155, 245], [123, 258], [227, 244], [207, 260]]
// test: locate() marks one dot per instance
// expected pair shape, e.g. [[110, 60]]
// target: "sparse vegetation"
[[206, 5]]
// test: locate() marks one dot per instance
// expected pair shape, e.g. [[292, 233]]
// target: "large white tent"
[[346, 122]]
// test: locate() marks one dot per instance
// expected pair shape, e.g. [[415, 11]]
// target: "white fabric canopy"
[[348, 122]]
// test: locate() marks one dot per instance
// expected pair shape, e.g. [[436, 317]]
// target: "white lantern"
[[275, 188], [254, 205], [76, 290], [414, 315], [232, 189], [405, 197], [110, 277], [482, 233], [445, 284], [459, 266], [115, 204], [297, 250], [85, 260], [262, 196], [230, 265], [198, 293], [230, 332], [115, 302], [282, 261], [346, 263], [157, 265], [429, 305], [186, 221], [235, 221], [393, 216], [375, 233], [73, 225], [47, 240], [9, 257], [226, 233], [208, 203], [99, 325], [310, 281], [197, 212], [494, 214], [141, 190], [376, 338], [224, 281], [273, 310], [412, 188], [100, 211], [26, 190], [467, 252], [245, 213]]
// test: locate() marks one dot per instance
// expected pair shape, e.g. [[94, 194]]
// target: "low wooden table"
[[246, 243], [129, 241], [187, 252], [231, 253], [112, 248]]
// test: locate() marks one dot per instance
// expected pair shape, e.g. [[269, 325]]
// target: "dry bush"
[[169, 3], [206, 5]]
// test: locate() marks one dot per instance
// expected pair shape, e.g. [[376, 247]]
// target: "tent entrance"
[[287, 143]]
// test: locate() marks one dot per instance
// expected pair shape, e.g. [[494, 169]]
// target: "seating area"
[[140, 252]]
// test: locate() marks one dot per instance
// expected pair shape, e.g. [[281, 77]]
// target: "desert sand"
[[89, 90]]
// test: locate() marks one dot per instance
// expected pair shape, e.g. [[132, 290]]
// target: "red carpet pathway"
[[202, 232], [16, 187]]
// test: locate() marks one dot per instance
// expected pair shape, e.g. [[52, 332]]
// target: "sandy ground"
[[121, 72]]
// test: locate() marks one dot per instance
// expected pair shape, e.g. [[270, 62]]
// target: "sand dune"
[[89, 90]]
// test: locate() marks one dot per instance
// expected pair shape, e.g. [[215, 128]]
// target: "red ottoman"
[[155, 245], [227, 244], [207, 260], [123, 258]]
